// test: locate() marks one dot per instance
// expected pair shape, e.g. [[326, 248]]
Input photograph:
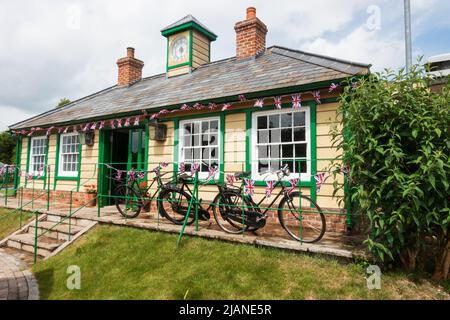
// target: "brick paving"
[[16, 280]]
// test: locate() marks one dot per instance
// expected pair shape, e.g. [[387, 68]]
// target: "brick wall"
[[250, 36], [130, 69]]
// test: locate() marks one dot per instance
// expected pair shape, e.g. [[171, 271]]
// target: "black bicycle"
[[298, 214], [133, 194], [174, 201]]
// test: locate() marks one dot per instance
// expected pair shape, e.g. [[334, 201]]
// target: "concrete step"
[[59, 232], [75, 221], [25, 242]]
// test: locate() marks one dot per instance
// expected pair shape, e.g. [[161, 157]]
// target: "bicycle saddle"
[[241, 175]]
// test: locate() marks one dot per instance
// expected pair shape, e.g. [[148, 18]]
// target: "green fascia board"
[[190, 25]]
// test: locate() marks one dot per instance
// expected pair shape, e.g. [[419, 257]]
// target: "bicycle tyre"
[[165, 196], [121, 193]]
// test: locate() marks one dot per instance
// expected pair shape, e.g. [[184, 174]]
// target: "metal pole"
[[408, 40]]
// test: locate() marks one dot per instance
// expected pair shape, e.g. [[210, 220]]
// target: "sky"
[[68, 48]]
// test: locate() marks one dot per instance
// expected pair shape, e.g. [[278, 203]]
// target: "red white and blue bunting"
[[136, 120]]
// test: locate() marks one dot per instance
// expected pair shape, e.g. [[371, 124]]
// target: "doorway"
[[123, 150]]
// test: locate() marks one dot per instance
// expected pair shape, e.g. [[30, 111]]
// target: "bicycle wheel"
[[227, 208], [127, 201], [173, 204], [302, 218]]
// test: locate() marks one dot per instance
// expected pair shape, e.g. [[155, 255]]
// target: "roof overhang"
[[187, 26]]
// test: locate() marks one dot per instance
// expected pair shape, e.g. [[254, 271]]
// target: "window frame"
[[67, 174], [202, 175], [31, 156], [304, 177]]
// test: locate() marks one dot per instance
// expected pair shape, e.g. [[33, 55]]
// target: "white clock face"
[[180, 49]]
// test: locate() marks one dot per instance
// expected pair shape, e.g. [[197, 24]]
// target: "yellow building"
[[257, 111]]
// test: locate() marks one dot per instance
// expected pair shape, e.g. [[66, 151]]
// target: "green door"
[[137, 147]]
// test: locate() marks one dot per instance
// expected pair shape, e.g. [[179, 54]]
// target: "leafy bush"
[[397, 143]]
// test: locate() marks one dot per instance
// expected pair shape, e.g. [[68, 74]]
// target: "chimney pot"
[[130, 52], [251, 13]]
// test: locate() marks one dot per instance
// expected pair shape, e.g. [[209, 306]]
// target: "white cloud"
[[10, 115]]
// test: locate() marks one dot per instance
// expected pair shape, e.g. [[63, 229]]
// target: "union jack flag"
[[136, 121], [198, 106], [154, 116], [132, 174], [164, 111], [249, 187], [86, 127], [141, 175], [23, 132], [195, 168], [320, 179], [242, 97], [127, 122], [66, 129], [113, 124], [212, 106], [259, 103], [333, 87], [119, 175], [75, 130], [226, 106], [293, 183], [29, 176], [211, 172], [49, 131], [185, 107], [231, 179], [278, 102], [94, 126], [182, 168], [163, 165], [33, 130], [297, 101], [316, 96], [269, 188], [102, 125], [119, 123]]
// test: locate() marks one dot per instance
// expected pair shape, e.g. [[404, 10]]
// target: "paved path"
[[16, 281]]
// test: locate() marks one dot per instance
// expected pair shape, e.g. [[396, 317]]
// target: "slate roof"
[[276, 68], [187, 19]]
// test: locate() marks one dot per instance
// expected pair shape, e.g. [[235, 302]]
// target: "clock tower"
[[188, 45]]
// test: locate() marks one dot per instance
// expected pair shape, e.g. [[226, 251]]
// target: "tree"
[[7, 148], [63, 102], [397, 144]]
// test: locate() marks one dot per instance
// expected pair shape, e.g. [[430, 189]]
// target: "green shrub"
[[397, 143]]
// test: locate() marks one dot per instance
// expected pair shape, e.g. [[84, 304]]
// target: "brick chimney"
[[130, 69], [250, 36]]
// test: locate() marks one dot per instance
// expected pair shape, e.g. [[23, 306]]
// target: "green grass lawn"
[[125, 263], [10, 221]]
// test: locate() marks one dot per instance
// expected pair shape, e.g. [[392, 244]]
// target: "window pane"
[[300, 134], [274, 121], [299, 119], [205, 126], [288, 151], [275, 152], [196, 140], [205, 139], [205, 153], [187, 129], [214, 126], [263, 136], [286, 120], [214, 139], [275, 136], [263, 166], [215, 153], [286, 135], [262, 122], [275, 165], [263, 152], [196, 128], [187, 141], [188, 154], [197, 152], [290, 163], [300, 151]]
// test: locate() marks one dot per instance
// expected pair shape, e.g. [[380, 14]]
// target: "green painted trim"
[[17, 163], [191, 48], [313, 136], [190, 25], [67, 178], [147, 140], [58, 137], [248, 148], [184, 64], [80, 159], [28, 160], [47, 142], [176, 143], [101, 159], [222, 147]]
